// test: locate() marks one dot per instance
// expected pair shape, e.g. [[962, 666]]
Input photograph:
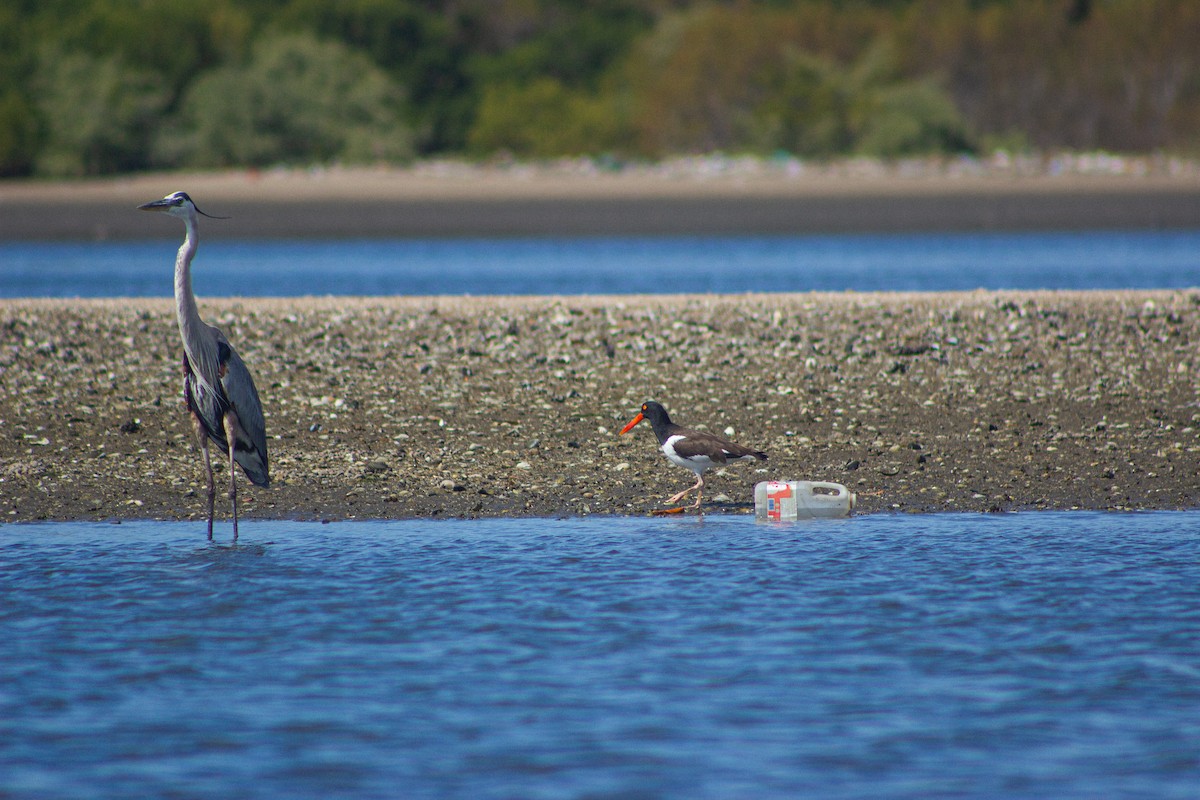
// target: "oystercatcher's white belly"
[[696, 464]]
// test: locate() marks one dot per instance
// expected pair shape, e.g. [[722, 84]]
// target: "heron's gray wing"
[[251, 448], [205, 402]]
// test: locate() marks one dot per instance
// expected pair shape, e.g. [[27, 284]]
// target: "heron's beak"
[[632, 422], [155, 205]]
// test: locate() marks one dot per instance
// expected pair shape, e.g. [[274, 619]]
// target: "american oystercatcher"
[[694, 450]]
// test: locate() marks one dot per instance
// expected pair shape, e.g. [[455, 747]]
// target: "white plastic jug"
[[785, 501]]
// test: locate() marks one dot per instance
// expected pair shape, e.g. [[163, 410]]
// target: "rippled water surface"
[[612, 265], [1028, 655]]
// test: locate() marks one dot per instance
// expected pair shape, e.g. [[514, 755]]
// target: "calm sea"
[[1024, 655], [916, 262]]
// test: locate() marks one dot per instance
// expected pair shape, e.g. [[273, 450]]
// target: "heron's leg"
[[231, 428], [212, 489]]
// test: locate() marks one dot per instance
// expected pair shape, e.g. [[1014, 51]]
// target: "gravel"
[[494, 407]]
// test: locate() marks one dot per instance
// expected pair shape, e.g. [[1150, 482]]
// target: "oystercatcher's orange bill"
[[632, 422], [662, 512]]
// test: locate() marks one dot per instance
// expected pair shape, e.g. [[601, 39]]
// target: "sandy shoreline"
[[428, 407], [456, 200]]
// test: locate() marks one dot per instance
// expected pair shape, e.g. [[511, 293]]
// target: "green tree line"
[[91, 87]]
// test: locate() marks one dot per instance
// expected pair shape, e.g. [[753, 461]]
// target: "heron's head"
[[177, 204]]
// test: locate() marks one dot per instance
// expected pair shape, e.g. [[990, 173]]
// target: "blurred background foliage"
[[92, 87]]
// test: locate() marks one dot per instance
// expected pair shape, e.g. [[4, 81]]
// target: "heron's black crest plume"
[[198, 211], [210, 216]]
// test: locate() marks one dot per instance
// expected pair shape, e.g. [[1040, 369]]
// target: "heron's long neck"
[[185, 301]]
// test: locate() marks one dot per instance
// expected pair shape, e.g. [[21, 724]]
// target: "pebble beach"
[[461, 407], [402, 407]]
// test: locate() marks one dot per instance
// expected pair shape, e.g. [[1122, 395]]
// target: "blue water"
[[916, 262], [1026, 655]]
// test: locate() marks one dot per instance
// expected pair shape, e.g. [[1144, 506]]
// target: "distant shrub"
[[808, 112], [911, 118], [99, 114], [813, 82], [1118, 75], [746, 76], [296, 99], [542, 119], [19, 134]]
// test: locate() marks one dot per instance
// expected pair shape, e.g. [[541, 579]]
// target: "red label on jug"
[[776, 492]]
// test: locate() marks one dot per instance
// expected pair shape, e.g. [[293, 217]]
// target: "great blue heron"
[[694, 450], [217, 387]]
